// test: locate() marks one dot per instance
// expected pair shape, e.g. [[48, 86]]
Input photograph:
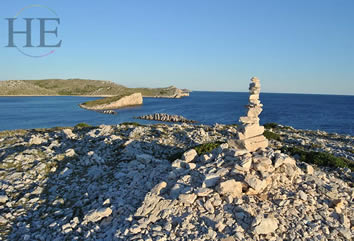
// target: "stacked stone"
[[250, 133]]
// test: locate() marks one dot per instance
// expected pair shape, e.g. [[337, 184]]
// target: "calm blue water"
[[325, 112]]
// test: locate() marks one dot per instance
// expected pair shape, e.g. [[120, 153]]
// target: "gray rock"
[[3, 198], [303, 195], [187, 198], [189, 155], [69, 134], [70, 152], [309, 169], [36, 140], [230, 187], [254, 182], [66, 172], [244, 164], [264, 225], [211, 180], [281, 159], [97, 215], [203, 192], [209, 206], [346, 233], [3, 220]]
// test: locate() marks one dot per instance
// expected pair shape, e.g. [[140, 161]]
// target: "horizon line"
[[233, 91]]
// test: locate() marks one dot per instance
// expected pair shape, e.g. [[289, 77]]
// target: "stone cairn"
[[250, 133]]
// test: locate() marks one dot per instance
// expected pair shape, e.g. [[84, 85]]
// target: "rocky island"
[[175, 182], [82, 87], [115, 102], [115, 96], [166, 118]]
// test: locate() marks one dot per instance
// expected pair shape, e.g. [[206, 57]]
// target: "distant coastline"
[[82, 87]]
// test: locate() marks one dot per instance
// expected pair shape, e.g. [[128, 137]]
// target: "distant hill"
[[81, 87]]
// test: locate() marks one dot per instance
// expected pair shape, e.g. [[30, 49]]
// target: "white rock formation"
[[250, 133], [129, 100]]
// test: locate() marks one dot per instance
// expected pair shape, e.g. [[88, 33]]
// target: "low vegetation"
[[132, 124], [207, 147], [169, 91], [76, 87], [270, 125], [318, 158], [8, 133], [82, 125], [271, 135], [200, 149]]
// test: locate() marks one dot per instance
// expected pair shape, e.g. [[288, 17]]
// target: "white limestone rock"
[[187, 198], [3, 198], [254, 182], [97, 215], [230, 187], [264, 225], [190, 155], [211, 180]]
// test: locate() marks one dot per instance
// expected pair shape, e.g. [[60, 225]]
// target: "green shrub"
[[82, 125], [200, 149], [270, 125], [207, 147], [319, 158], [315, 145], [132, 124], [272, 136]]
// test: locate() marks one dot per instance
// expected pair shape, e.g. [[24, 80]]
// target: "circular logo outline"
[[33, 6]]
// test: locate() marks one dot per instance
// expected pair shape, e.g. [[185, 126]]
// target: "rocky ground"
[[321, 141], [131, 182]]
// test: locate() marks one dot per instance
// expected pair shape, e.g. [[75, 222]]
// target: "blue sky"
[[303, 46]]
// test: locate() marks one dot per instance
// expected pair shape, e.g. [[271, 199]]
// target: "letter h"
[[28, 32]]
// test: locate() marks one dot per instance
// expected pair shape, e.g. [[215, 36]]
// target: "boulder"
[[187, 198], [189, 155], [97, 215], [3, 198], [230, 187], [211, 180], [264, 225], [254, 182]]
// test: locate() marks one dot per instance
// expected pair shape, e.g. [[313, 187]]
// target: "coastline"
[[167, 97]]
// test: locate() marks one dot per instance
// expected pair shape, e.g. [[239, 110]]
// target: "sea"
[[330, 113]]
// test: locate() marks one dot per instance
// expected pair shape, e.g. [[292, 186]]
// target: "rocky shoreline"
[[166, 118], [171, 182]]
